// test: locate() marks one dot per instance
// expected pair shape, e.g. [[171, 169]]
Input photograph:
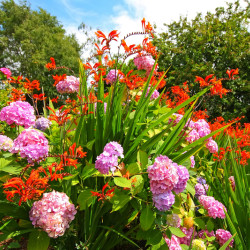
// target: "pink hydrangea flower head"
[[192, 161], [164, 201], [232, 182], [112, 76], [163, 175], [198, 244], [201, 234], [223, 236], [206, 201], [188, 232], [214, 208], [6, 72], [32, 144], [173, 243], [154, 95], [145, 62], [177, 118], [200, 189], [114, 148], [42, 123], [20, 113], [183, 178], [5, 143], [202, 127], [106, 162], [192, 136], [173, 220], [68, 85], [53, 213], [212, 146]]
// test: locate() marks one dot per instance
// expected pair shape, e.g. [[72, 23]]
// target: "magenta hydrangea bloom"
[[214, 208], [173, 243], [164, 201], [112, 76], [31, 144], [68, 85], [154, 95], [163, 175], [192, 161], [144, 62], [201, 234], [114, 148], [202, 127], [20, 113], [200, 189], [188, 232], [6, 72], [183, 178], [5, 143], [192, 136], [212, 146], [173, 220], [223, 236], [42, 123], [53, 213], [106, 162]]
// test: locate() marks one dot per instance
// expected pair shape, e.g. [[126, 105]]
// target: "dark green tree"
[[206, 45], [29, 38]]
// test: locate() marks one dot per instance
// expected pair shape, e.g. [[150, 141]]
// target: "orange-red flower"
[[60, 116], [30, 86], [39, 97], [232, 72], [51, 65], [103, 196], [58, 78], [17, 95]]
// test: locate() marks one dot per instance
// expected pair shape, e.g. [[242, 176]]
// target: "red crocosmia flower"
[[29, 189], [232, 72], [17, 95], [39, 97], [30, 86], [51, 65], [104, 196], [60, 116], [143, 23], [59, 78], [76, 152], [217, 89], [55, 99], [205, 82], [16, 80]]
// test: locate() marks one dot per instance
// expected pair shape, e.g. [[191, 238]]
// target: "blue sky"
[[123, 15]]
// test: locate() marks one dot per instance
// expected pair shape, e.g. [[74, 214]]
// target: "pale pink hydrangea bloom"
[[53, 213], [192, 161], [68, 85], [163, 175], [223, 236], [5, 143], [20, 113], [6, 72], [145, 62], [173, 243], [212, 146], [200, 189], [31, 144]]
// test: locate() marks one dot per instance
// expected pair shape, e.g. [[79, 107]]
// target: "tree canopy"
[[210, 45], [29, 38]]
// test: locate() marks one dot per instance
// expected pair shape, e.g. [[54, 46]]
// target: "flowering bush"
[[138, 165]]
